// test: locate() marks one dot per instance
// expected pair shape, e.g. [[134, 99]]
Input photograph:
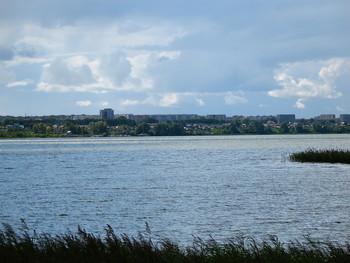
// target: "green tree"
[[319, 128], [142, 128], [39, 128], [49, 129], [299, 128], [98, 128], [123, 130], [268, 130], [175, 129], [259, 128], [161, 129], [233, 128], [284, 128]]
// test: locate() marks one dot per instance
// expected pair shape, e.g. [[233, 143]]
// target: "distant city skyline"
[[108, 113], [240, 57]]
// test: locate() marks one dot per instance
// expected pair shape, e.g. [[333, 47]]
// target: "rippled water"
[[221, 186]]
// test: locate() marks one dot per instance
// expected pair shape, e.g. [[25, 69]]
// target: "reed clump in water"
[[321, 156], [85, 247]]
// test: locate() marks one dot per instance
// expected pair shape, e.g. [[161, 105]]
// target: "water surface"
[[221, 186]]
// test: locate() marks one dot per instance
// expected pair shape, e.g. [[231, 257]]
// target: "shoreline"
[[183, 135]]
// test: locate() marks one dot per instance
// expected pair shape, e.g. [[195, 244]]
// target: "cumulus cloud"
[[200, 101], [93, 88], [168, 55], [147, 55], [339, 108], [19, 83], [104, 59], [111, 55], [127, 102], [139, 67], [115, 67], [232, 98], [310, 79], [67, 72], [83, 103], [169, 100], [30, 39], [5, 75], [181, 99], [18, 60], [300, 104], [104, 104], [111, 72]]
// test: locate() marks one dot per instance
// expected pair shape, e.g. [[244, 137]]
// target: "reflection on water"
[[181, 186]]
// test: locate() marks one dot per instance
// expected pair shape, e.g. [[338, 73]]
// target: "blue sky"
[[245, 57]]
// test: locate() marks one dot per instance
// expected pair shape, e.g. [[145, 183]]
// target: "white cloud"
[[181, 99], [156, 99], [104, 104], [300, 104], [200, 101], [18, 60], [111, 72], [115, 68], [90, 56], [32, 40], [310, 79], [67, 72], [128, 102], [231, 98], [83, 103], [93, 88], [77, 61], [169, 55], [19, 83], [6, 76], [149, 56], [169, 100], [139, 65], [339, 108]]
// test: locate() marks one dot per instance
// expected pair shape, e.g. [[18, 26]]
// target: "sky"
[[233, 57]]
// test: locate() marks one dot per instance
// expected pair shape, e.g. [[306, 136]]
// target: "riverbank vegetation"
[[86, 247], [321, 156], [121, 126]]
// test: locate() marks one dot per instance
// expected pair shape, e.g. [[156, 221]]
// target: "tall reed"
[[321, 156], [85, 247]]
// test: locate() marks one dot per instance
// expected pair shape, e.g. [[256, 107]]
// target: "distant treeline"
[[122, 126]]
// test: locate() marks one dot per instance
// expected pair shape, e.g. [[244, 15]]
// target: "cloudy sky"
[[246, 57]]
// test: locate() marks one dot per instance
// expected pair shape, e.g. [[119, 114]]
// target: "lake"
[[219, 186]]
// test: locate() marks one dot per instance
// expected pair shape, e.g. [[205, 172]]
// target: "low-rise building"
[[165, 117], [285, 118], [218, 117], [344, 118], [325, 117]]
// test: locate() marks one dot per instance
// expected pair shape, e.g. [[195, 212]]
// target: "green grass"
[[85, 247], [321, 156]]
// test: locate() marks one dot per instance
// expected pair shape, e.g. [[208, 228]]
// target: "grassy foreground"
[[85, 247], [322, 156]]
